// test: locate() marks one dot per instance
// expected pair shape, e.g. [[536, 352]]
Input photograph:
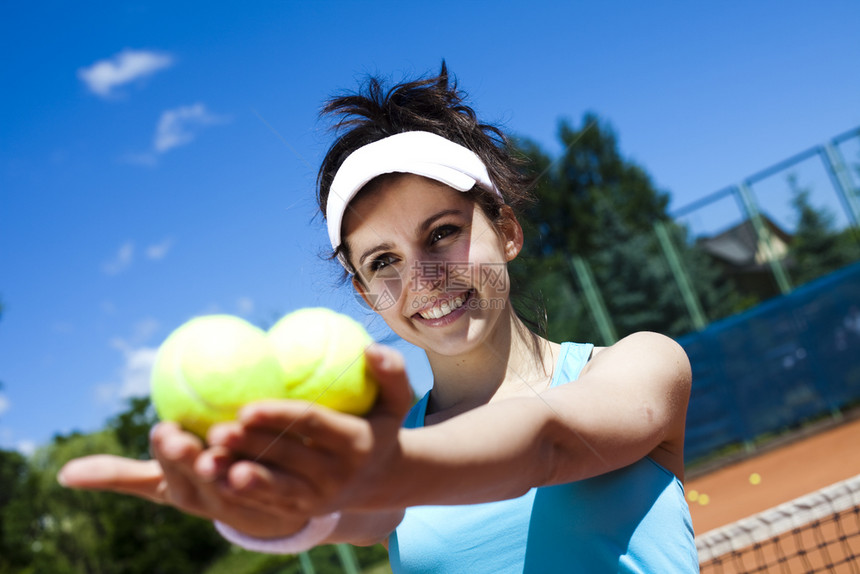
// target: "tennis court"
[[794, 508]]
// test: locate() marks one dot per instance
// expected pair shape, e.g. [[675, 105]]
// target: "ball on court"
[[755, 479], [211, 366], [321, 354], [704, 499]]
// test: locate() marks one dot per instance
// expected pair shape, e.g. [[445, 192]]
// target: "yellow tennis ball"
[[755, 479], [321, 353], [211, 366]]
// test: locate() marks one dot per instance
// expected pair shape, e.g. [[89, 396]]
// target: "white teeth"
[[444, 308]]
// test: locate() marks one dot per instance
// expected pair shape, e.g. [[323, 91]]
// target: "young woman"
[[526, 455]]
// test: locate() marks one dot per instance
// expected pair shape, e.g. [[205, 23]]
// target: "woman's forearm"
[[461, 460]]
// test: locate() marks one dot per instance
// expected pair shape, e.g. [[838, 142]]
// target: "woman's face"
[[430, 262]]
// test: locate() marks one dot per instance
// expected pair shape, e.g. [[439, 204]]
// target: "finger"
[[270, 489], [323, 427], [114, 473], [176, 452], [286, 452], [387, 367], [213, 463]]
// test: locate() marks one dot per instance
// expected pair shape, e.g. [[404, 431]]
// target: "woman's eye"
[[381, 262], [442, 232]]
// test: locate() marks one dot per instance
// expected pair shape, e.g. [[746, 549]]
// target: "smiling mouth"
[[445, 307]]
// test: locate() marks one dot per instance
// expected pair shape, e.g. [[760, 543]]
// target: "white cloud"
[[157, 251], [4, 404], [133, 376], [144, 329], [125, 67], [178, 126], [26, 447], [245, 305], [124, 257], [120, 262]]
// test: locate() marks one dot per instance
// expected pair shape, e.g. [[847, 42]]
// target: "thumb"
[[387, 367]]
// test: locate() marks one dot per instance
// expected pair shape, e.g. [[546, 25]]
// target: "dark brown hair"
[[432, 105]]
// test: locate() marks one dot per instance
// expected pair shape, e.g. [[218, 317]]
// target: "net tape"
[[779, 520]]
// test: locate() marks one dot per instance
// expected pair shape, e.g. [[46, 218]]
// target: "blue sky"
[[157, 160]]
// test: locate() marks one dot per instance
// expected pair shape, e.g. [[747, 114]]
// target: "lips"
[[443, 308]]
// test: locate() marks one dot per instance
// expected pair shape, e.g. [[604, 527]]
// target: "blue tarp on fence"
[[770, 368]]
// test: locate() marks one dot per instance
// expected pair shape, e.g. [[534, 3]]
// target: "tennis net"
[[819, 532]]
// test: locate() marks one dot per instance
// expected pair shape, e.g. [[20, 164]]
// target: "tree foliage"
[[15, 549], [53, 529], [595, 203], [47, 528], [818, 247]]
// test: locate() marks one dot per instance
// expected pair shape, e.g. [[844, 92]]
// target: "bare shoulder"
[[647, 350], [653, 365]]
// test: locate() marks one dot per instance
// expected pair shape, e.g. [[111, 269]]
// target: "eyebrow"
[[372, 250], [425, 225]]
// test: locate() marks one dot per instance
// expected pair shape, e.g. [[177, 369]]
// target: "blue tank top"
[[634, 519]]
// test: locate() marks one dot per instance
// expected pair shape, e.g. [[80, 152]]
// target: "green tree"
[[96, 532], [15, 546], [47, 528], [595, 203], [817, 247]]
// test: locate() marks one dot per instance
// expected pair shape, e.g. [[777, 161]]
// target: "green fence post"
[[595, 301], [691, 300], [306, 563], [347, 558], [763, 236], [835, 166]]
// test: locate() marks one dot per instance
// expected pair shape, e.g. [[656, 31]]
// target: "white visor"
[[419, 153]]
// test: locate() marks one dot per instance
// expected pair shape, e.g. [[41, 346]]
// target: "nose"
[[431, 278], [428, 275]]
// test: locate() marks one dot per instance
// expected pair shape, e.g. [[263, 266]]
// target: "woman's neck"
[[511, 360]]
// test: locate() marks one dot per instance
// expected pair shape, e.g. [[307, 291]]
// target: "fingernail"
[[378, 354], [216, 435], [206, 469]]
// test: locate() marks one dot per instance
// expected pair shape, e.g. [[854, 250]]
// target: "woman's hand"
[[267, 474], [184, 475], [312, 460]]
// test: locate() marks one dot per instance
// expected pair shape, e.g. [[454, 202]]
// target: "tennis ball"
[[322, 356], [755, 479], [209, 367]]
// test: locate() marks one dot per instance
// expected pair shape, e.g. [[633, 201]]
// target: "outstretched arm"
[[286, 460], [630, 402]]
